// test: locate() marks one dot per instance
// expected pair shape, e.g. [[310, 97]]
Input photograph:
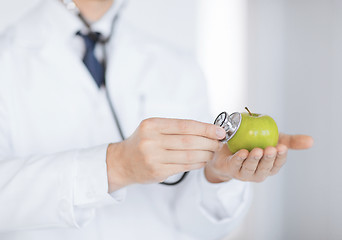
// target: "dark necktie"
[[96, 69]]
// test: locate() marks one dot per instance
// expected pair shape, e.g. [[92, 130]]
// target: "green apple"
[[255, 131]]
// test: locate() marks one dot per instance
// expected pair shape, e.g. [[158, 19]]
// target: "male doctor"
[[71, 87]]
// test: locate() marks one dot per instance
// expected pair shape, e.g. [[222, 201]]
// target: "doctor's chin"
[[173, 120]]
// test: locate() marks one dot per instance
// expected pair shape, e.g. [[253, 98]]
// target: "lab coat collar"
[[104, 25], [61, 21], [57, 23], [69, 23], [49, 20]]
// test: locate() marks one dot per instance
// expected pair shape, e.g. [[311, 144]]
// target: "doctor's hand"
[[160, 148], [254, 166]]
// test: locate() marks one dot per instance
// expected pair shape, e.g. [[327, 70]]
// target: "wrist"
[[115, 170], [213, 177]]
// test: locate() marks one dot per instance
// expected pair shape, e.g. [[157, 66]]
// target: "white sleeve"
[[210, 211], [59, 190], [43, 191]]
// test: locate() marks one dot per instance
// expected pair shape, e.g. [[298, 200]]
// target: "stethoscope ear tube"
[[117, 122]]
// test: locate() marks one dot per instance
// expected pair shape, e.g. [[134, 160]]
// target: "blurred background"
[[280, 57]]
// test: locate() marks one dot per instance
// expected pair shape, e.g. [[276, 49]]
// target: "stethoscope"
[[71, 6]]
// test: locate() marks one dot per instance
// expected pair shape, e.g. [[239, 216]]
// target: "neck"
[[93, 10]]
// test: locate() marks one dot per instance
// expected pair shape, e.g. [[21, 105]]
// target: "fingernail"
[[269, 156], [220, 133], [257, 157], [281, 153]]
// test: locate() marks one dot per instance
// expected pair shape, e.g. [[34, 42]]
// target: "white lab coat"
[[55, 126]]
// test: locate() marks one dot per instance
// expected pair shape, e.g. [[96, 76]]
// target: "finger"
[[266, 164], [280, 160], [189, 142], [250, 164], [187, 157], [235, 161], [191, 127], [296, 141]]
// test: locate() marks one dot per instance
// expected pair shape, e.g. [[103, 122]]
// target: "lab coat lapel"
[[53, 45], [70, 70]]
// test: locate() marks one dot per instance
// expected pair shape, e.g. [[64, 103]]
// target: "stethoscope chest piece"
[[230, 123]]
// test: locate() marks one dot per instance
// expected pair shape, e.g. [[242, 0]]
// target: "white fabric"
[[55, 126]]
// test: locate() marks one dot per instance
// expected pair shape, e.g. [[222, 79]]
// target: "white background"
[[280, 57]]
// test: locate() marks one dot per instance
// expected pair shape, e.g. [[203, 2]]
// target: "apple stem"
[[248, 111]]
